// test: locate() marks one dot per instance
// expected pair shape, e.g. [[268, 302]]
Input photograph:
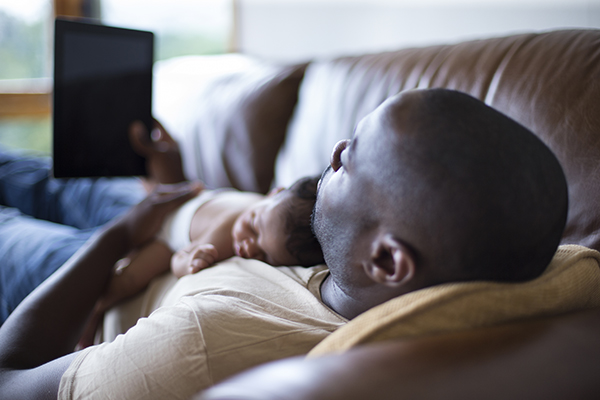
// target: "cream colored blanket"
[[571, 282]]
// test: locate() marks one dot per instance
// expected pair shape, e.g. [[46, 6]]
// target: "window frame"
[[33, 97]]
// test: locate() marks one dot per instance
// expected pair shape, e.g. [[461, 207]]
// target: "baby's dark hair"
[[301, 242]]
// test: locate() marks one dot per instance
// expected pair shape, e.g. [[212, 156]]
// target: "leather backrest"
[[549, 82], [239, 121]]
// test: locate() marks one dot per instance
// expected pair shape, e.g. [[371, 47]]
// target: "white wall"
[[292, 30]]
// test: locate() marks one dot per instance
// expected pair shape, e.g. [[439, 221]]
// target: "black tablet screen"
[[102, 83]]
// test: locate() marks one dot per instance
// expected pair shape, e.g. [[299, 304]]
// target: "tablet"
[[102, 83]]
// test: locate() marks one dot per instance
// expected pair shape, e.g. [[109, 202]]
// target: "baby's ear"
[[391, 263], [275, 190]]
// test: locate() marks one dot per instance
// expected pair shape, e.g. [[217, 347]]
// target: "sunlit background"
[[277, 30], [182, 27]]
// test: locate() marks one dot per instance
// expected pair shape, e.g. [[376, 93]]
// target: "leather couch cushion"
[[229, 124], [549, 82], [549, 358]]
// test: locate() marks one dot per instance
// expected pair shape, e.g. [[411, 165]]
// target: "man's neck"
[[339, 301]]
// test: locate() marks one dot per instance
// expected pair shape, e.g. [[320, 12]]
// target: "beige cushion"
[[571, 282], [229, 115]]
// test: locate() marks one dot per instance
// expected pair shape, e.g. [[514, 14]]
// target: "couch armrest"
[[550, 358]]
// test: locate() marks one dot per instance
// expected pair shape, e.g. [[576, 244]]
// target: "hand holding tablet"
[[102, 83]]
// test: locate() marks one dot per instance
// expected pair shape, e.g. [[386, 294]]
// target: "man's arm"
[[130, 276], [37, 340], [142, 267]]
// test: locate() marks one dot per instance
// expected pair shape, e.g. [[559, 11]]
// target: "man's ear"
[[390, 263]]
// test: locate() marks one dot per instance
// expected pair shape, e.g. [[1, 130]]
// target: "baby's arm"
[[210, 231], [212, 242], [193, 258]]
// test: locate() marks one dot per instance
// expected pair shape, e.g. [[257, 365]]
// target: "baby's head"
[[277, 229]]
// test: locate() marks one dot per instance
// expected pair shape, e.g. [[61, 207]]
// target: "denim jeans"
[[44, 221]]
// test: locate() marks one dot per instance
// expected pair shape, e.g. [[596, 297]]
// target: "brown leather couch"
[[549, 82]]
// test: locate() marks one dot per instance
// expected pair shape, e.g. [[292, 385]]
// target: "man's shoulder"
[[255, 292]]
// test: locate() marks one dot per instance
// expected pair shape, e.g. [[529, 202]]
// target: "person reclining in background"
[[434, 187]]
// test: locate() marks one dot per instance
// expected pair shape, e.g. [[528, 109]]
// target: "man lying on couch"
[[435, 187]]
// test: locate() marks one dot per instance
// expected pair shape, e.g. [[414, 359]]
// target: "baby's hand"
[[193, 258]]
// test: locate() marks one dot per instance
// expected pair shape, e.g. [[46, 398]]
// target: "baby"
[[218, 224]]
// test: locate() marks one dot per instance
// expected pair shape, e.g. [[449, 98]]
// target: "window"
[[25, 74], [181, 27]]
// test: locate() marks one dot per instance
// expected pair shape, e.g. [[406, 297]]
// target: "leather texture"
[[549, 82], [241, 121], [550, 359]]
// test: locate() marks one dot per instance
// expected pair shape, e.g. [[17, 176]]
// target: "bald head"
[[477, 195], [435, 187]]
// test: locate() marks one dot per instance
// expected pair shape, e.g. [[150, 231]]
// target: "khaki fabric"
[[571, 282], [209, 326]]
